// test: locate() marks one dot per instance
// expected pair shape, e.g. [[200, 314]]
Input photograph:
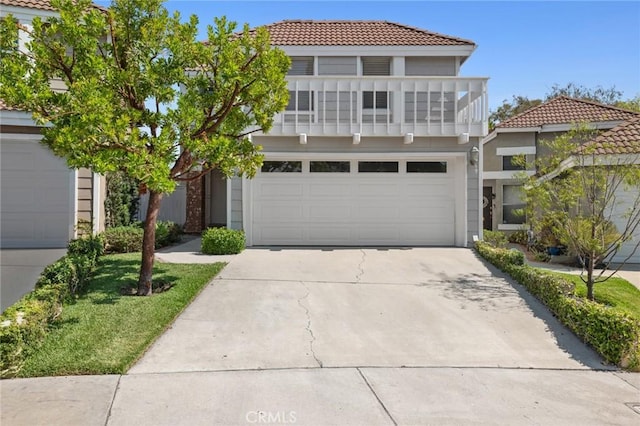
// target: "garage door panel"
[[35, 191], [353, 209]]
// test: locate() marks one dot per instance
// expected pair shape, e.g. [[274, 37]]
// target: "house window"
[[381, 100], [282, 167], [300, 101], [426, 167], [376, 65], [508, 163], [337, 65], [330, 167], [377, 166], [301, 65], [512, 205]]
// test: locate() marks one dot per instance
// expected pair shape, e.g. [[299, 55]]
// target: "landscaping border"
[[615, 335]]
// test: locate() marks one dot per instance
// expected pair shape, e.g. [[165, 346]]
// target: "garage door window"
[[330, 167], [426, 167], [378, 166], [282, 167]]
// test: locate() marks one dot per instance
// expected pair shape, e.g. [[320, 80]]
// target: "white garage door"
[[626, 199], [354, 202], [35, 191]]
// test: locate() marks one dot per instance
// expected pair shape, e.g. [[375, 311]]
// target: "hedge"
[[127, 239], [615, 335], [24, 325]]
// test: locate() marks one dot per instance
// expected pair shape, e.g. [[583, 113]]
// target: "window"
[[507, 163], [282, 167], [301, 65], [426, 167], [302, 102], [378, 166], [337, 65], [382, 100], [512, 205], [376, 65], [330, 167]]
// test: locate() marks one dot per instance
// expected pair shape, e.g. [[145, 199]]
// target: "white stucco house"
[[41, 199], [379, 145]]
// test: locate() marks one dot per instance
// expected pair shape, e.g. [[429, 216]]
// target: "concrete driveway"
[[420, 307], [20, 269]]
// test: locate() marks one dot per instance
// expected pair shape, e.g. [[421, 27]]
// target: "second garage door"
[[354, 202]]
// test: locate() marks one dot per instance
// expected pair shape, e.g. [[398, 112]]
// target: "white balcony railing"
[[378, 106]]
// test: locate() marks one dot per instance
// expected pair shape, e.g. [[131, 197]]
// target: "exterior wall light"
[[474, 156], [303, 138], [463, 138], [356, 138], [408, 138]]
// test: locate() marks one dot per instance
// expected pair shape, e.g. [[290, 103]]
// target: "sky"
[[523, 47]]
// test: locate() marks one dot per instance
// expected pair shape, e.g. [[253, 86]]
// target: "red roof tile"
[[5, 107], [356, 33], [622, 139], [566, 110], [30, 4]]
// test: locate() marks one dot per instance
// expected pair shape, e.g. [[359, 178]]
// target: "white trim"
[[565, 127], [228, 202], [247, 210], [512, 227], [73, 231], [96, 198], [506, 174], [359, 155], [17, 118], [461, 227], [34, 137], [515, 150], [480, 191], [465, 50]]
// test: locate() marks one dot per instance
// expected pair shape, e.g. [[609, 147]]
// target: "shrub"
[[615, 335], [123, 239], [495, 238], [121, 201], [92, 246], [222, 241], [167, 233], [519, 237]]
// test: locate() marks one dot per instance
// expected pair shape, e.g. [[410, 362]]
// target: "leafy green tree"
[[576, 191], [121, 200], [142, 96], [607, 96]]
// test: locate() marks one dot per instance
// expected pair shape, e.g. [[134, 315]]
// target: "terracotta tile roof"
[[566, 110], [356, 33], [622, 139], [30, 4], [5, 107]]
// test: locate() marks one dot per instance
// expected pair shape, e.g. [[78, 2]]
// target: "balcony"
[[384, 106]]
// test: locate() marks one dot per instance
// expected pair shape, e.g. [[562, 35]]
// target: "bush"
[[92, 246], [495, 238], [519, 237], [167, 233], [123, 239], [615, 335], [222, 241]]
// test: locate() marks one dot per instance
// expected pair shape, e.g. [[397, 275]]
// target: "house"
[[42, 201], [379, 144], [521, 135]]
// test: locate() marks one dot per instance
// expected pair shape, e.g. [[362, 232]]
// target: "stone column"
[[195, 199]]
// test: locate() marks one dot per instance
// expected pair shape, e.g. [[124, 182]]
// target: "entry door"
[[487, 208]]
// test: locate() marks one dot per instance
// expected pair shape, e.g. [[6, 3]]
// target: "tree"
[[508, 109], [121, 200], [608, 96], [576, 191], [143, 96]]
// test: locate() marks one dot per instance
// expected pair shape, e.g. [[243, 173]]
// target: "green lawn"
[[616, 292], [104, 332]]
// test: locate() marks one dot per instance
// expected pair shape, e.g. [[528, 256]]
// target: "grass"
[[103, 332], [616, 292]]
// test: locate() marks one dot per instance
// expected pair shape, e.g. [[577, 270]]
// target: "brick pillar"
[[195, 211]]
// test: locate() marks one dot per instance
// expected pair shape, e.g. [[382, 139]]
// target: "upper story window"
[[301, 100], [376, 65], [429, 66], [301, 65], [509, 164], [337, 65]]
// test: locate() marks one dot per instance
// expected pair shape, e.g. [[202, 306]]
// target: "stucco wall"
[[493, 161]]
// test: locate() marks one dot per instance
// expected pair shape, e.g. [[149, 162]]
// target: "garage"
[[36, 189], [357, 202], [625, 201]]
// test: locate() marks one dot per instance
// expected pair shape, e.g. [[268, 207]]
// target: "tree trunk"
[[590, 266], [145, 287]]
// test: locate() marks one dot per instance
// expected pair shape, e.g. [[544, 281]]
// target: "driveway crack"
[[361, 267], [308, 327]]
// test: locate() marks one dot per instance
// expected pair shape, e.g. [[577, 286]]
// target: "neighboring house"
[[378, 145], [42, 201], [521, 135]]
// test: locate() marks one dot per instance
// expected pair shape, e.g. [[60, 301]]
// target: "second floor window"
[[300, 101], [378, 99], [509, 164], [376, 65], [301, 65]]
